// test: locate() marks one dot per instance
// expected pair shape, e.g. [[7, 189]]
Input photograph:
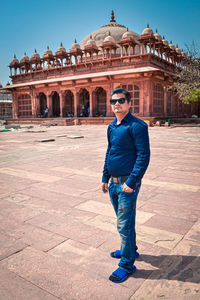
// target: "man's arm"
[[106, 175], [141, 140]]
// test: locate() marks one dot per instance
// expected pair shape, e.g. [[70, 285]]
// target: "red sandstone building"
[[78, 83]]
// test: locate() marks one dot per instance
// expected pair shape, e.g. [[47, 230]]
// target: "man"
[[126, 161], [46, 112]]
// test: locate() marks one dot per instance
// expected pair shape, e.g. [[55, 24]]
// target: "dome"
[[14, 62], [147, 31], [113, 29], [165, 42], [35, 57], [127, 34], [171, 46], [183, 53], [76, 49], [48, 54], [24, 59], [157, 35], [61, 51], [178, 50], [91, 42], [109, 39], [61, 48], [75, 45]]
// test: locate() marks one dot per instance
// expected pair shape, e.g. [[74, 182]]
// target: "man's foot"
[[117, 254], [120, 275]]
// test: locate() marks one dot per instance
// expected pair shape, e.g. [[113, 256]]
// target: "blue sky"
[[26, 25]]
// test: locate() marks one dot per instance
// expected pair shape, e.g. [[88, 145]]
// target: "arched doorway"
[[43, 103], [100, 102], [68, 109], [55, 105], [84, 104]]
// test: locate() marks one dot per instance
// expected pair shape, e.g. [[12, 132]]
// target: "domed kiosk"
[[112, 29]]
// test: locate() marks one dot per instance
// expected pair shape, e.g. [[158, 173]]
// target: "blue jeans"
[[125, 208]]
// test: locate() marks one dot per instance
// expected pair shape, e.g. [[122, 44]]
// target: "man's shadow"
[[171, 267]]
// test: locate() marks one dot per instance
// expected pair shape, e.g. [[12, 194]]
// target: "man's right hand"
[[105, 187]]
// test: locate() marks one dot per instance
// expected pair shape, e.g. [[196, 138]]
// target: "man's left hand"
[[127, 189]]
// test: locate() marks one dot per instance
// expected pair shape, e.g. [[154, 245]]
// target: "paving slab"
[[58, 228]]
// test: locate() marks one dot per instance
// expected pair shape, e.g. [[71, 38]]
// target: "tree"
[[187, 83]]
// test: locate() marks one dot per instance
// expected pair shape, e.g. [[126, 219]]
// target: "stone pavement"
[[57, 228]]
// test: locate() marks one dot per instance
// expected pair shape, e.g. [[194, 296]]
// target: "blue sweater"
[[128, 150]]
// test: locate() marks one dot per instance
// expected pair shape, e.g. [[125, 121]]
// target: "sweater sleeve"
[[141, 140]]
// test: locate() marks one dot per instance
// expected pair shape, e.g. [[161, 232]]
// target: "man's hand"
[[105, 187], [127, 189]]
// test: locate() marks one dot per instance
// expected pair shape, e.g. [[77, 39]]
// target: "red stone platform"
[[58, 228]]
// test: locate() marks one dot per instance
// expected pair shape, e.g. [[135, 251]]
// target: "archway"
[[100, 102], [68, 109], [56, 105], [43, 103], [83, 108]]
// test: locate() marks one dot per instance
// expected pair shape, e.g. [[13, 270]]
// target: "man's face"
[[120, 108]]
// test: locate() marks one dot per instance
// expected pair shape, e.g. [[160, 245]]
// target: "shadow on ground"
[[171, 267]]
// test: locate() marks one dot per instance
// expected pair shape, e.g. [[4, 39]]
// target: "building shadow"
[[171, 267]]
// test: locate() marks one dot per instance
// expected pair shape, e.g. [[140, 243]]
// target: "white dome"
[[147, 31], [109, 38], [157, 36], [127, 34]]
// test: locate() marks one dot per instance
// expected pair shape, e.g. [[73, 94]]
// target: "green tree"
[[187, 83]]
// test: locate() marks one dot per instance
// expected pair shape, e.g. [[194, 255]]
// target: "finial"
[[75, 41], [147, 25], [35, 51], [24, 53], [170, 42], [61, 45], [127, 29], [112, 16], [163, 37], [90, 36], [156, 30], [14, 55]]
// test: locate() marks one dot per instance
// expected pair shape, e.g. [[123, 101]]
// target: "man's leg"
[[113, 196], [126, 228]]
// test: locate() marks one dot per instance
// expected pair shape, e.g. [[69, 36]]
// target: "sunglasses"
[[114, 101]]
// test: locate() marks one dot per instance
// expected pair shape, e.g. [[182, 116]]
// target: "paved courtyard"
[[57, 228]]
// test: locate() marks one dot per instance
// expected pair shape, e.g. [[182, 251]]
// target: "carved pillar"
[[62, 99], [76, 101], [91, 101], [108, 105], [33, 105], [148, 94], [141, 100], [14, 105], [165, 101], [49, 104]]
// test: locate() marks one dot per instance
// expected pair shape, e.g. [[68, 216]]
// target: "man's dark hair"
[[121, 91]]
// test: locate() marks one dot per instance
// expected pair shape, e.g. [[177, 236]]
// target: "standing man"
[[46, 112], [126, 161]]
